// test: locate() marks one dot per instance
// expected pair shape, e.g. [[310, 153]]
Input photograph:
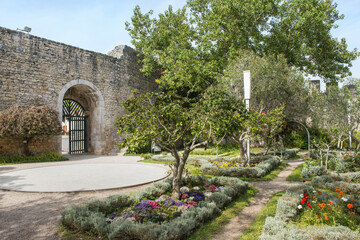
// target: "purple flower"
[[169, 202], [198, 197], [179, 204], [142, 204], [176, 214]]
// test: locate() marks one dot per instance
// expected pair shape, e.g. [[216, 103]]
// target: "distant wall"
[[37, 71]]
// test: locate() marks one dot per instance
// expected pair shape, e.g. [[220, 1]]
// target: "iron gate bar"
[[75, 114]]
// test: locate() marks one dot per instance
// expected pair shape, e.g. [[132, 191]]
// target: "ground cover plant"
[[46, 157], [347, 182], [151, 213], [304, 212], [193, 168], [257, 171], [336, 162]]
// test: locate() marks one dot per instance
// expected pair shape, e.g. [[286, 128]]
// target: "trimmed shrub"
[[278, 228], [91, 216], [347, 182], [252, 172], [311, 171]]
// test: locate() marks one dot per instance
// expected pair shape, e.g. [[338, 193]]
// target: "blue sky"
[[100, 25]]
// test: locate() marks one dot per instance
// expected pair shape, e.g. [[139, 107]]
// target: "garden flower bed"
[[256, 171], [151, 213], [348, 182], [306, 213]]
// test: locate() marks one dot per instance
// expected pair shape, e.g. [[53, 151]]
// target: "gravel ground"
[[30, 216]]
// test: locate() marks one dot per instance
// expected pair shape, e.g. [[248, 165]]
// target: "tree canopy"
[[273, 83], [29, 122], [298, 29]]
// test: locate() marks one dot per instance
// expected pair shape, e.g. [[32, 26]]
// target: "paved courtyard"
[[81, 173], [29, 214]]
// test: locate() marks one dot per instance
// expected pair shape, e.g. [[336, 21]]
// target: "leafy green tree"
[[175, 124], [184, 111], [298, 29], [273, 84], [336, 110], [28, 123]]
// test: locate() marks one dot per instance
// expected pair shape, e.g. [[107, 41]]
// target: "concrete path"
[[81, 173], [244, 219]]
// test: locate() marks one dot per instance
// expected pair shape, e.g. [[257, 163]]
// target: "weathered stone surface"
[[37, 71]]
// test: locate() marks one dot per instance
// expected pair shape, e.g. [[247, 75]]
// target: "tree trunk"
[[327, 157], [267, 150], [243, 154], [26, 146], [178, 171], [321, 157]]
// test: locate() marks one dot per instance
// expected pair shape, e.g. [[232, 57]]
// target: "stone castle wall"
[[37, 71]]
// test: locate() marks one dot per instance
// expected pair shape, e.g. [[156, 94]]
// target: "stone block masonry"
[[37, 71]]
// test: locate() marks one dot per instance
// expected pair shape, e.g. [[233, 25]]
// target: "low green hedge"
[[258, 171], [312, 171], [46, 157], [91, 216], [347, 182], [278, 227]]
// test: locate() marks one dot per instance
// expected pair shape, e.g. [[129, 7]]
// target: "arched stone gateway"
[[37, 71], [90, 98]]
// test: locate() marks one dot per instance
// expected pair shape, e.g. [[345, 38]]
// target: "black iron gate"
[[74, 114]]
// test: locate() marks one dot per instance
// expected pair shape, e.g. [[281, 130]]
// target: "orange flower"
[[324, 201], [341, 194], [330, 202], [326, 218], [337, 190], [350, 206]]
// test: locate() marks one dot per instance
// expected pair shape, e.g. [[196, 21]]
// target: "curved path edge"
[[236, 226]]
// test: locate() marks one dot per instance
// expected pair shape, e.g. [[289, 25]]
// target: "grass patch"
[[65, 234], [232, 210], [270, 176], [254, 231], [46, 157], [296, 175], [195, 171]]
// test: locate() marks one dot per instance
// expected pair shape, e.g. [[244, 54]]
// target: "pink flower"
[[184, 196], [153, 204], [192, 204], [212, 187]]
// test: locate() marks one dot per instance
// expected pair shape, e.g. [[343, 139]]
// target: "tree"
[[255, 124], [182, 111], [28, 123], [273, 84], [174, 124], [336, 110], [298, 29]]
